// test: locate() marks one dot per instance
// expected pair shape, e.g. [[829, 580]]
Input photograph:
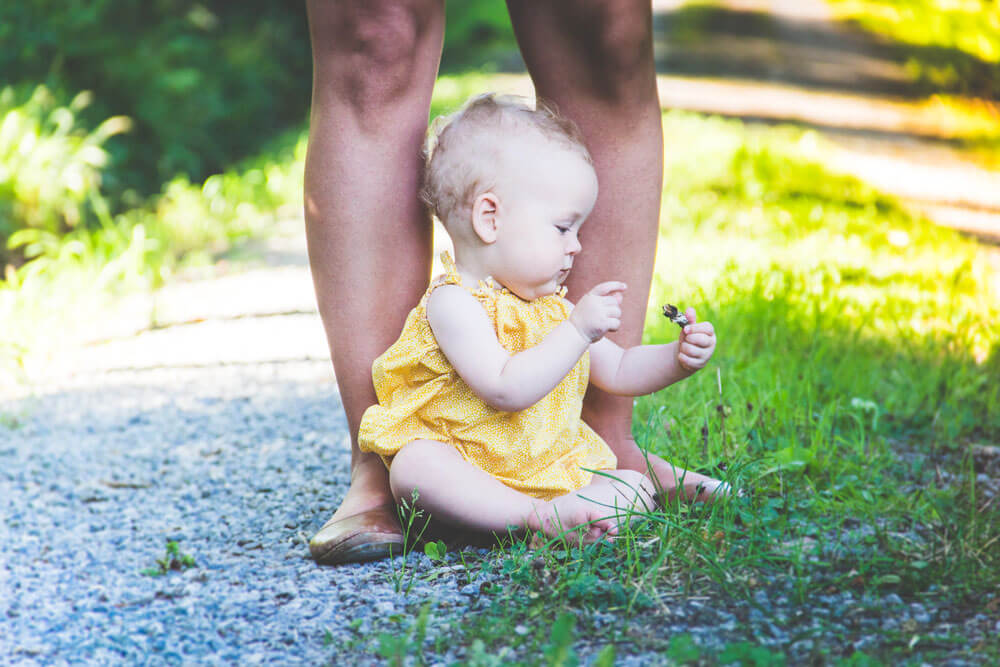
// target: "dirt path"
[[788, 61]]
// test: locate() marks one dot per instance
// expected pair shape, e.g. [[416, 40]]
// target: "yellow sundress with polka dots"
[[542, 451]]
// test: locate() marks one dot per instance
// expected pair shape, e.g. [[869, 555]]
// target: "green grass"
[[797, 263], [858, 356], [48, 303]]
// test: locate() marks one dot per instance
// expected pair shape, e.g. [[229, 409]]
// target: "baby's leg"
[[453, 490]]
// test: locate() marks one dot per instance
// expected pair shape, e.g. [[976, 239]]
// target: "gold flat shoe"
[[370, 535]]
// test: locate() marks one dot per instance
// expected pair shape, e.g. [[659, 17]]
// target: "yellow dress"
[[541, 451]]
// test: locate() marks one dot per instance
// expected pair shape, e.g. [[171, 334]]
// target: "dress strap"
[[451, 271], [486, 287]]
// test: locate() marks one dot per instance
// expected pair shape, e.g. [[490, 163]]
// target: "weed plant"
[[173, 561], [414, 523]]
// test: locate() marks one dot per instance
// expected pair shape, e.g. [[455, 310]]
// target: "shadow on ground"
[[716, 41]]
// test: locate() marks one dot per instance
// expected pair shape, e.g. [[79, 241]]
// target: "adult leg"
[[594, 59], [374, 65]]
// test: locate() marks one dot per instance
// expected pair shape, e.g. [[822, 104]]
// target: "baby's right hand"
[[599, 311]]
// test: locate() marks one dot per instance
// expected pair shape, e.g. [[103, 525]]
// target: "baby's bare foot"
[[691, 486], [574, 518], [709, 491]]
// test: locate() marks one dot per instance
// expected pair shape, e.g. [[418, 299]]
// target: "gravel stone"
[[893, 600], [919, 613]]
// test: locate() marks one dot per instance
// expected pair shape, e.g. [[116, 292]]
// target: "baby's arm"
[[644, 369], [516, 382]]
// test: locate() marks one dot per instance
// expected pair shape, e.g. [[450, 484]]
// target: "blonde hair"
[[463, 149]]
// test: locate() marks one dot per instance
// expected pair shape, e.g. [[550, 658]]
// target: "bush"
[[205, 82], [50, 165], [478, 34]]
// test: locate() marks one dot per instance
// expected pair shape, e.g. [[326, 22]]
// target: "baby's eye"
[[563, 230]]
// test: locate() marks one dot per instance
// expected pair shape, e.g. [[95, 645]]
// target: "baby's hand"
[[599, 311], [696, 343]]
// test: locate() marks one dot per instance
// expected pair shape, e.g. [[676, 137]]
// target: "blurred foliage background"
[[171, 89], [202, 81], [116, 98], [137, 138]]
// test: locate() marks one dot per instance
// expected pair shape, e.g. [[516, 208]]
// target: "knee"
[[366, 52], [405, 473]]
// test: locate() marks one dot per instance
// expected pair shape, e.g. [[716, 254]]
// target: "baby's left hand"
[[696, 343]]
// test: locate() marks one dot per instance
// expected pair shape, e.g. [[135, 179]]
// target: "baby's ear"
[[484, 217]]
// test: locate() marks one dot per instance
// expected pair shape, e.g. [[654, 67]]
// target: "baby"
[[480, 398]]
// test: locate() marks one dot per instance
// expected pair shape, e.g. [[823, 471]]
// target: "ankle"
[[366, 466]]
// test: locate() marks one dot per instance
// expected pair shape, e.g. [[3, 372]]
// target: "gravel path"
[[237, 463]]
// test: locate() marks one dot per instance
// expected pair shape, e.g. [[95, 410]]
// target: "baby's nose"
[[574, 246]]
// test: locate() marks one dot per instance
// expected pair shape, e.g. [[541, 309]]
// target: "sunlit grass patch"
[[858, 349], [950, 45], [73, 280], [972, 26], [795, 263]]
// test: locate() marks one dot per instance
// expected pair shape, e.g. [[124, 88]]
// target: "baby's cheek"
[[536, 257]]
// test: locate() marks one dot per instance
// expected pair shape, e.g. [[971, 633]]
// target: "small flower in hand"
[[696, 343], [677, 317]]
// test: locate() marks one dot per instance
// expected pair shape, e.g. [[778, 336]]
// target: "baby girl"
[[480, 398]]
